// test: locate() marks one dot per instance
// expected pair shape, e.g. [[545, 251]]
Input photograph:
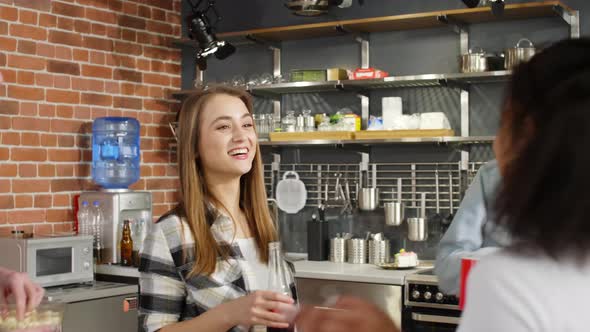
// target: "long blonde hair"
[[194, 195]]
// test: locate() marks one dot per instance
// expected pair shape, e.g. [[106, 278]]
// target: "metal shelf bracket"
[[454, 84], [571, 18], [459, 28], [261, 41]]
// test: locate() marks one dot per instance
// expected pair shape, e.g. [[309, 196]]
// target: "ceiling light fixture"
[[201, 30], [496, 5]]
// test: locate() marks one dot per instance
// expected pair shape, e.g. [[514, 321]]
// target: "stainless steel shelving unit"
[[457, 21], [391, 82], [374, 142]]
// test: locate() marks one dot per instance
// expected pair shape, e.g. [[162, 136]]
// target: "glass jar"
[[300, 124], [309, 121], [325, 125], [289, 122]]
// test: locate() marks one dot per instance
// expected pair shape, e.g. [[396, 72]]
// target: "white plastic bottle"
[[84, 218]]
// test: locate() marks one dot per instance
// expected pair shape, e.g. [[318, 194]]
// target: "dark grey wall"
[[399, 53]]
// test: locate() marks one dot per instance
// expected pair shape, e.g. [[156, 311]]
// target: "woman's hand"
[[27, 295], [261, 308], [348, 315]]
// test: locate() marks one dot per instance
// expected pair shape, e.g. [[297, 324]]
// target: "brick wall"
[[65, 63]]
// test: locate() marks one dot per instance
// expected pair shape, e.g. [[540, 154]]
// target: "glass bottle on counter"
[[280, 279], [139, 234], [126, 245]]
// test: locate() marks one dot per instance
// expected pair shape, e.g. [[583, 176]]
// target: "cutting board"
[[388, 134]]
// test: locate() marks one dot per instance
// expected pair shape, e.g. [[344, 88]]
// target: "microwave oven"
[[50, 261]]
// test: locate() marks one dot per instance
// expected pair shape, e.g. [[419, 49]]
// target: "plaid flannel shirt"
[[167, 294]]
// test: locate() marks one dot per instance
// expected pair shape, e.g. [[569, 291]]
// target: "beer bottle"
[[126, 245]]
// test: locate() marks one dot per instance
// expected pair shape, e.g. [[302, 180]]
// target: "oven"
[[426, 308]]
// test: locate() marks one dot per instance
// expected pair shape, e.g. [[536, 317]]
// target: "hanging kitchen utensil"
[[374, 175], [369, 196], [368, 199], [417, 227], [446, 222], [394, 211], [436, 219], [347, 208], [291, 194]]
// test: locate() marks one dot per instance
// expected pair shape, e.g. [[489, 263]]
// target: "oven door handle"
[[435, 319]]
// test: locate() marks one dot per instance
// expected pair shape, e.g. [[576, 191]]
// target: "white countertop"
[[308, 269], [86, 292], [351, 272], [117, 270]]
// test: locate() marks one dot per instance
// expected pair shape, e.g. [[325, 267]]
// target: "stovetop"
[[422, 291], [426, 275]]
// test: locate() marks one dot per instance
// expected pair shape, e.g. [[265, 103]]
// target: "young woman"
[[540, 281], [204, 264]]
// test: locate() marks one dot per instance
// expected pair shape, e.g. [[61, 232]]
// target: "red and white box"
[[368, 74]]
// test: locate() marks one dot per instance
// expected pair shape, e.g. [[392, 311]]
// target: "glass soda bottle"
[[280, 278], [126, 245]]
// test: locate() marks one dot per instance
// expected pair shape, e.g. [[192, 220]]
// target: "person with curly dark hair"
[[540, 282]]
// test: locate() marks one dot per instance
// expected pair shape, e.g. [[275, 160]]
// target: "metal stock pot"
[[519, 53]]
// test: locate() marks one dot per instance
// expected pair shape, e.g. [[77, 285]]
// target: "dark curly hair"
[[544, 200]]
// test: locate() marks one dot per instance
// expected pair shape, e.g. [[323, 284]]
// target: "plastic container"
[[115, 152], [47, 317]]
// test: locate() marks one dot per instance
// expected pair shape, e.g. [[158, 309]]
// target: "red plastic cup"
[[466, 264]]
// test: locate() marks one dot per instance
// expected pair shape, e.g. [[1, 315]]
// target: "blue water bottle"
[[115, 152]]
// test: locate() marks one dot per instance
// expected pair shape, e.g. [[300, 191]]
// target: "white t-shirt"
[[257, 274], [514, 293]]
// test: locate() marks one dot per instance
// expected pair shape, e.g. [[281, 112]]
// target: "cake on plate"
[[406, 259]]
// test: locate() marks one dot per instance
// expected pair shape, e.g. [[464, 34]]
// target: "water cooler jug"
[[115, 152]]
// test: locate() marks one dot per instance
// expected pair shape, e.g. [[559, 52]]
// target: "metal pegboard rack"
[[416, 179], [319, 177]]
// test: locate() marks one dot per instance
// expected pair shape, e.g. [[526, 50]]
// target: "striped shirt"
[[167, 294]]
